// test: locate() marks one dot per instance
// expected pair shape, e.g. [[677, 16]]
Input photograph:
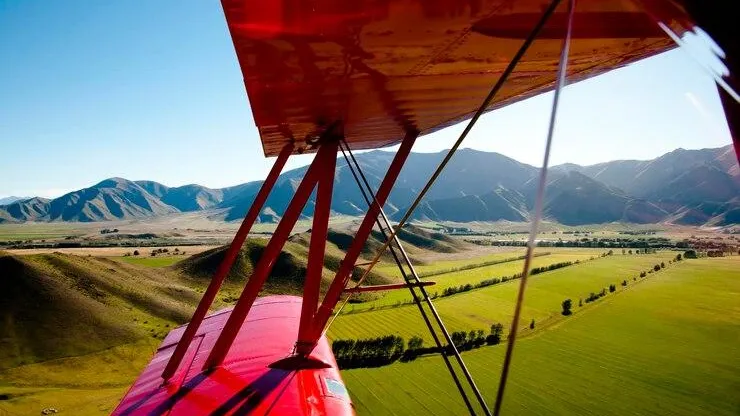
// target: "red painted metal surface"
[[378, 69], [363, 231], [225, 266], [245, 383], [319, 232], [272, 250]]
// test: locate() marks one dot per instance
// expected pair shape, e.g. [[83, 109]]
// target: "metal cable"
[[417, 301], [499, 84], [427, 299], [539, 202]]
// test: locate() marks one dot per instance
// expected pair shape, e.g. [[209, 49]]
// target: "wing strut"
[[225, 267], [325, 158]]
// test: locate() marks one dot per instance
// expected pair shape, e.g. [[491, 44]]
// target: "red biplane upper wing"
[[372, 70]]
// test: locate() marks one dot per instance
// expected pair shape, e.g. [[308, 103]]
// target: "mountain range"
[[10, 199], [692, 187]]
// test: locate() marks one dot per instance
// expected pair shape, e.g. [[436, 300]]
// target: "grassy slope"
[[44, 316], [158, 261], [68, 319], [477, 309], [57, 305], [75, 384], [669, 345]]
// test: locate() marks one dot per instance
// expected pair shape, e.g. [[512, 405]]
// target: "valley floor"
[[668, 343]]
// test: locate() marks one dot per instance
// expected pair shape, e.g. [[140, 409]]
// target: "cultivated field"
[[507, 263], [668, 345], [479, 308]]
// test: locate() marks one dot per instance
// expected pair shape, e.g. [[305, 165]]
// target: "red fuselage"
[[247, 382]]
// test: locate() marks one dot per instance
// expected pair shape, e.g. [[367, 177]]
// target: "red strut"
[[226, 263], [319, 231], [267, 261], [348, 264]]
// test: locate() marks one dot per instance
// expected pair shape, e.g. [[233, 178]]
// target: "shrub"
[[624, 283], [459, 338], [594, 296], [662, 265], [136, 252], [656, 267], [612, 288], [689, 254], [497, 331], [678, 257], [531, 324], [479, 339], [415, 343], [643, 274], [567, 304]]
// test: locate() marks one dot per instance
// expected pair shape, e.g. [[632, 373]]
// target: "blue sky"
[[152, 90]]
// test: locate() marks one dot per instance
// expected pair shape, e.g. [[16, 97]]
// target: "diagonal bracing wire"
[[369, 200], [539, 202], [486, 102]]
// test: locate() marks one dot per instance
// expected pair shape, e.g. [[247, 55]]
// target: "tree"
[[480, 338], [624, 283], [678, 257], [459, 338], [136, 252], [630, 251], [656, 267], [612, 288], [531, 324], [662, 265], [497, 331], [567, 305]]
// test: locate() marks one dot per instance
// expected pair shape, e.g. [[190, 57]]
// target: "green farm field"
[[479, 308], [667, 345], [545, 257]]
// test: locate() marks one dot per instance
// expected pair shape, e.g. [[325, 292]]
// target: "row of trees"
[[478, 265], [380, 351], [567, 304], [638, 243], [372, 352], [496, 280]]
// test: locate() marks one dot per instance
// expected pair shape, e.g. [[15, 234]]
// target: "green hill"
[[57, 305]]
